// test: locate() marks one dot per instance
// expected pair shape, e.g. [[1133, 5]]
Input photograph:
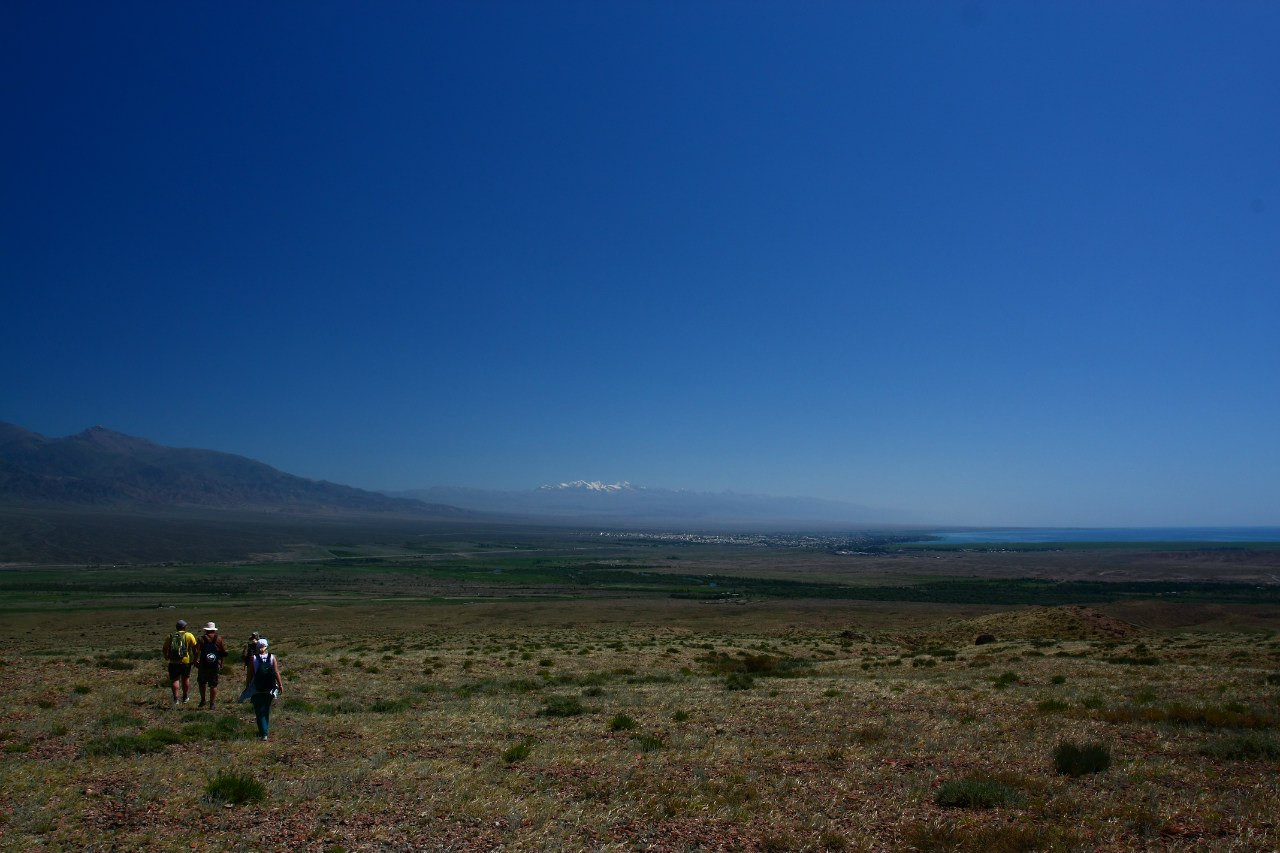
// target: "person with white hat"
[[210, 651], [262, 685]]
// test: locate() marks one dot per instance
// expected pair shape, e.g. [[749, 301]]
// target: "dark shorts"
[[179, 671], [207, 676]]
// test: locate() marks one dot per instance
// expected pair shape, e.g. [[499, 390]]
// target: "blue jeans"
[[262, 711]]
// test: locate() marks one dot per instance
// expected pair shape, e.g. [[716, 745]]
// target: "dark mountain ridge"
[[103, 468]]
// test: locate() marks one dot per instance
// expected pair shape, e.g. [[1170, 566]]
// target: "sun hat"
[[182, 623], [262, 642], [209, 626]]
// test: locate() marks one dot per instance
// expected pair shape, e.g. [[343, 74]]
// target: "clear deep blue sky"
[[980, 263]]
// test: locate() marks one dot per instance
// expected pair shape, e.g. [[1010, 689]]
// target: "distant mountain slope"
[[102, 468], [628, 504]]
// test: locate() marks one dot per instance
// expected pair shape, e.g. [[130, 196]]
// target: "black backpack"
[[209, 656], [264, 676]]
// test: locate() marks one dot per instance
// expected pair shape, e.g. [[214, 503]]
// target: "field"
[[562, 692]]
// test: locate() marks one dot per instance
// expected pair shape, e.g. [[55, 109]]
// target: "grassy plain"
[[562, 693]]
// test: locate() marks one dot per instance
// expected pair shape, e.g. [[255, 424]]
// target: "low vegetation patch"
[[1248, 746], [622, 723], [155, 740], [978, 792], [1074, 760], [235, 788], [748, 663], [1200, 716], [562, 706]]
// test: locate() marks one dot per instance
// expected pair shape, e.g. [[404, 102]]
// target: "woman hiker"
[[262, 684]]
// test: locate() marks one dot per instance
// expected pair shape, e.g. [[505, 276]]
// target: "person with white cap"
[[262, 685], [178, 650], [210, 651]]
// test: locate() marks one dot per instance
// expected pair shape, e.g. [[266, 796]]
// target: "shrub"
[[1058, 679], [977, 793], [516, 752], [1077, 760], [621, 722], [739, 681], [562, 706], [680, 716], [648, 743], [82, 689], [1005, 679], [235, 788], [1052, 706]]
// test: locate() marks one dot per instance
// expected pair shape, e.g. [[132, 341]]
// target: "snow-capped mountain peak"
[[589, 486]]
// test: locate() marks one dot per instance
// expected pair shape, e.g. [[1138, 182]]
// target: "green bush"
[[1052, 706], [680, 716], [622, 723], [235, 788], [1080, 759], [977, 793], [516, 752], [1004, 680], [647, 743], [739, 681]]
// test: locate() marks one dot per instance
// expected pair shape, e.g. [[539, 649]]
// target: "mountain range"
[[100, 468], [103, 469], [626, 504]]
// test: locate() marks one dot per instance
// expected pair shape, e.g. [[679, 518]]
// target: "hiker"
[[210, 651], [250, 649], [262, 685], [178, 649]]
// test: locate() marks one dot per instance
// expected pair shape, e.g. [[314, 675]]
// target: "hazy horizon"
[[983, 264]]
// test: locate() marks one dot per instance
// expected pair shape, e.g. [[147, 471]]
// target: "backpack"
[[178, 646], [264, 676], [209, 657]]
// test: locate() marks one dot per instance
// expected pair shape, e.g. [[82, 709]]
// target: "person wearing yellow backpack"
[[179, 648]]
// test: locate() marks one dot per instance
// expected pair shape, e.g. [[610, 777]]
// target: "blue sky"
[[979, 263]]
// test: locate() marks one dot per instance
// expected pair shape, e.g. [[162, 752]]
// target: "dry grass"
[[427, 727]]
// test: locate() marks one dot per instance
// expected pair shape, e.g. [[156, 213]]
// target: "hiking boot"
[[201, 705]]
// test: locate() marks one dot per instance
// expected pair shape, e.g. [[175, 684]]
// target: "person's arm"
[[248, 672], [191, 648], [275, 665]]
